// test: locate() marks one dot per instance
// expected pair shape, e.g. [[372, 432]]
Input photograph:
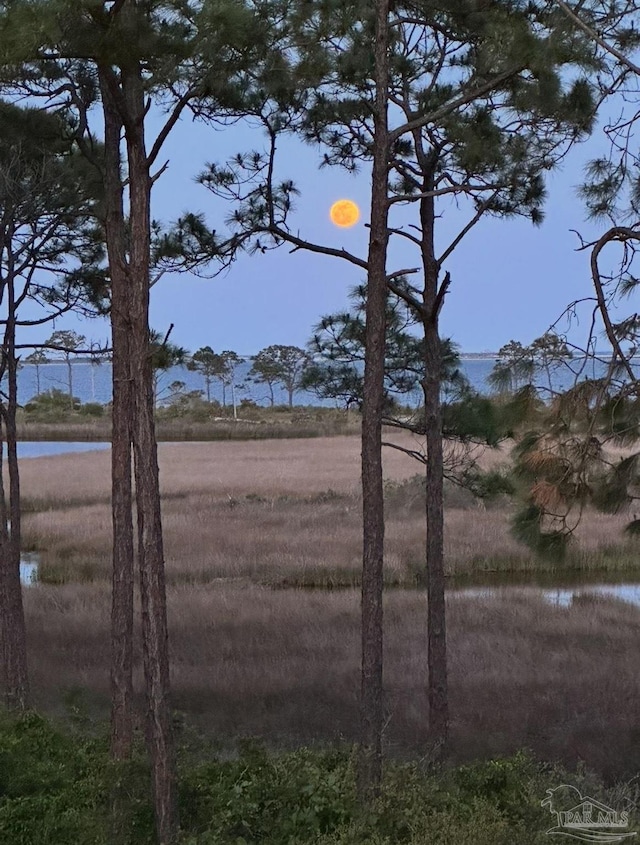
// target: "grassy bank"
[[55, 789], [253, 423]]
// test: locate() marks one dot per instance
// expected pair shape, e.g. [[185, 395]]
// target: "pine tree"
[[482, 105], [208, 363], [67, 342], [47, 245], [567, 458], [121, 58], [278, 364]]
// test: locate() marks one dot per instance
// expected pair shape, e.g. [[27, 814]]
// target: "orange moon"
[[344, 213]]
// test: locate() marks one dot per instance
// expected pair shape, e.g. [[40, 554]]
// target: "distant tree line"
[[276, 366]]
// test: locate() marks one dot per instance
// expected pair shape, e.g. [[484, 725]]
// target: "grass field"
[[247, 525], [282, 512]]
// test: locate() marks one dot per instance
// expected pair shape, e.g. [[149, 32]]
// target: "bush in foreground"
[[57, 789]]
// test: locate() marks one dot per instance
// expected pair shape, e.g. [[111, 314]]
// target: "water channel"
[[29, 568], [45, 448], [562, 596]]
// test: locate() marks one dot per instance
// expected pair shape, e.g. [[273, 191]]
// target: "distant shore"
[[97, 360], [478, 356]]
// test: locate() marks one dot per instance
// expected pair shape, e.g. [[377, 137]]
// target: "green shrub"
[[52, 406], [91, 409], [51, 787], [187, 405], [57, 789], [265, 798]]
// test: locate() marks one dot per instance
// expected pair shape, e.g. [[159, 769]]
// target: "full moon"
[[344, 213]]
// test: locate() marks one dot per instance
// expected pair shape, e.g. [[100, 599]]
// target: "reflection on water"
[[560, 596], [29, 568]]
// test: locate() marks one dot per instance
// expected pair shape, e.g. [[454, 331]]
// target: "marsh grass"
[[285, 514], [284, 666], [312, 541], [242, 519]]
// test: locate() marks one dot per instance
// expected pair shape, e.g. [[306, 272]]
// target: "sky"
[[510, 280]]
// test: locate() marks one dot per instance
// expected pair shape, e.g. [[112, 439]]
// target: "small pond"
[[29, 562]]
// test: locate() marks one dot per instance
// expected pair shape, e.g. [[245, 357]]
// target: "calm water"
[[29, 562], [92, 383], [38, 449], [561, 596]]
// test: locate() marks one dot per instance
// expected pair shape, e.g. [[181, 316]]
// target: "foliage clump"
[[56, 788], [52, 406]]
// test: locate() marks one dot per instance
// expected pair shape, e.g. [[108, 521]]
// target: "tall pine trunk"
[[14, 635], [122, 415], [436, 613], [372, 712], [155, 638]]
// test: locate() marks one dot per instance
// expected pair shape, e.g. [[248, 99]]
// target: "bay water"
[[92, 382]]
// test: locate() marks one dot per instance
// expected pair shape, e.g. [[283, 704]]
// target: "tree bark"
[[436, 611], [122, 415], [370, 761], [434, 572], [155, 638], [14, 635]]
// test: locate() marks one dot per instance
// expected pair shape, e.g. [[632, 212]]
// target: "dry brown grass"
[[254, 509], [283, 665], [279, 512], [274, 467]]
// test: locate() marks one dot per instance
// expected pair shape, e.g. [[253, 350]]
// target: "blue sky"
[[509, 278]]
